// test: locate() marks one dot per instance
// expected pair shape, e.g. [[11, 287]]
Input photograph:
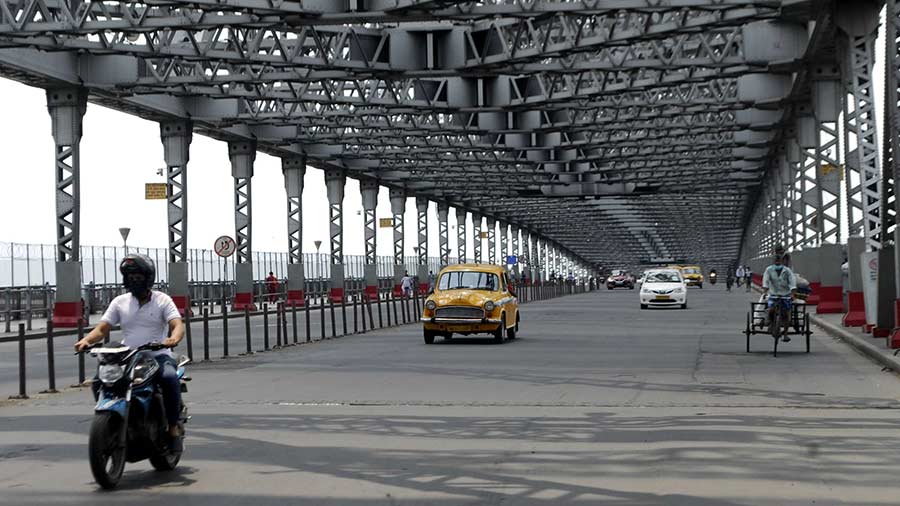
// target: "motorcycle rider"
[[145, 316], [779, 281]]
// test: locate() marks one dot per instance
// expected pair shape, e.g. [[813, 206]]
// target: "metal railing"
[[358, 314]]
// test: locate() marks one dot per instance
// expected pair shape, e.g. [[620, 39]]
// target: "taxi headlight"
[[489, 306], [430, 305], [110, 373], [678, 290]]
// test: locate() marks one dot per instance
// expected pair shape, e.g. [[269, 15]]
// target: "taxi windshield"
[[468, 280], [691, 270], [663, 277]]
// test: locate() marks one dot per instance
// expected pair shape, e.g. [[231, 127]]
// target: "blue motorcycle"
[[129, 418]]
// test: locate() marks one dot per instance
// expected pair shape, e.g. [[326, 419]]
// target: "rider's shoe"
[[786, 339]]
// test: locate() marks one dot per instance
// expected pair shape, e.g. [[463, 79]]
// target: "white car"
[[662, 288]]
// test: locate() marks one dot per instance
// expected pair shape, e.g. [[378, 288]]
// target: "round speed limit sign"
[[224, 246]]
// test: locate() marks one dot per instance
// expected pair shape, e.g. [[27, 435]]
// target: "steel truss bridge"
[[599, 132]]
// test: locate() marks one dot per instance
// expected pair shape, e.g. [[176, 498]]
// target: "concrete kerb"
[[876, 354]]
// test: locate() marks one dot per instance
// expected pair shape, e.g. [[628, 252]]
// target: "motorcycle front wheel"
[[107, 456]]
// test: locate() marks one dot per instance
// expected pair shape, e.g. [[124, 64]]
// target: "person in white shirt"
[[779, 283], [145, 316], [740, 275], [406, 284]]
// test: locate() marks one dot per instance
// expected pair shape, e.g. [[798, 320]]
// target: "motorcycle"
[[712, 277], [129, 418]]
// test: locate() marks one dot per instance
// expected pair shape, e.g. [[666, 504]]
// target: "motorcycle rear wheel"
[[107, 458]]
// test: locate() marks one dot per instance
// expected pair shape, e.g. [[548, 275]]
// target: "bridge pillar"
[[461, 215], [503, 243], [856, 306], [176, 139], [516, 251], [242, 155], [422, 228], [335, 180], [369, 190], [534, 259], [492, 240], [67, 107], [294, 169], [398, 209], [892, 188], [831, 289], [443, 210], [476, 237]]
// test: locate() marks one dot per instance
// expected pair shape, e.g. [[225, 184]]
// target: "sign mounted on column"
[[512, 260], [155, 191], [224, 246], [385, 222]]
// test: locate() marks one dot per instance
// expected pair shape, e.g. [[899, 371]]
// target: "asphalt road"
[[598, 402]]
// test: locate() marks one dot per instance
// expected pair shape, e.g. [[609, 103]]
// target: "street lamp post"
[[125, 231]]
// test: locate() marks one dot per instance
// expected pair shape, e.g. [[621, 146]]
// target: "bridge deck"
[[598, 402]]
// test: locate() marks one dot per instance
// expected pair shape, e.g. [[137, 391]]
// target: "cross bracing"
[[617, 129]]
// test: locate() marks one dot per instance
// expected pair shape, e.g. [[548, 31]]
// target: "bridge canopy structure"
[[613, 131]]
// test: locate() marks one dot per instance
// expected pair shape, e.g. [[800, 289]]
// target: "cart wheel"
[[808, 332], [747, 332]]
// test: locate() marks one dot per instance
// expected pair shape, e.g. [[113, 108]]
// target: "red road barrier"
[[243, 301], [371, 292], [831, 300], [894, 338], [337, 295], [67, 314], [183, 303], [294, 298], [856, 310]]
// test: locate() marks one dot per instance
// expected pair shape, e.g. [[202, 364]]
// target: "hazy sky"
[[120, 153]]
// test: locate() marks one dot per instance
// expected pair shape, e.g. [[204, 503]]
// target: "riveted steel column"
[[534, 259], [176, 139], [67, 107], [422, 230], [515, 250], [461, 234], [334, 183], [369, 190], [797, 205], [242, 155], [398, 208], [443, 210], [891, 174], [492, 240], [476, 237], [859, 26], [294, 169], [503, 240]]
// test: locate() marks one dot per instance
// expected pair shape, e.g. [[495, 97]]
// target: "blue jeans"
[[170, 386]]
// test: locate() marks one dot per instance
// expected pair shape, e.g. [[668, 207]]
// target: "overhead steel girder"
[[136, 29]]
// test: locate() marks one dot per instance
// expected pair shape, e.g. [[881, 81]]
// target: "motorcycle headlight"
[[430, 305], [110, 373], [144, 370], [489, 306]]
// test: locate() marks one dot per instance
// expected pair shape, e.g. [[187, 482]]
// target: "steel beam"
[[369, 189], [242, 155], [398, 209], [293, 169], [67, 107], [335, 179], [176, 139]]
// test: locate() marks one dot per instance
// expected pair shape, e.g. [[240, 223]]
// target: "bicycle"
[[778, 318]]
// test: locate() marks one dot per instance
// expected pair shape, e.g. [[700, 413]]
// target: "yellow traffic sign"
[[386, 222], [155, 191]]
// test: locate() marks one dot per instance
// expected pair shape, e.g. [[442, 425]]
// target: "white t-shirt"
[[142, 324]]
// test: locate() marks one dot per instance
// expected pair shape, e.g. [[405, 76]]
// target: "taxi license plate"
[[662, 297]]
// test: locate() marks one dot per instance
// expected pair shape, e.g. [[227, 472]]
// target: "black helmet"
[[138, 264]]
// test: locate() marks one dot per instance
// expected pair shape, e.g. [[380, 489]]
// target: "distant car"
[[471, 299], [663, 288], [620, 279], [692, 274]]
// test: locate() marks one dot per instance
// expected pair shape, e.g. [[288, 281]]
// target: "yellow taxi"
[[471, 299], [692, 275]]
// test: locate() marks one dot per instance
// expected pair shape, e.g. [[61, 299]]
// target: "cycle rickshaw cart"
[[758, 323]]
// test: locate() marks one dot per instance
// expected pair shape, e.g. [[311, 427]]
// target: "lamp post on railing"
[[124, 231]]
